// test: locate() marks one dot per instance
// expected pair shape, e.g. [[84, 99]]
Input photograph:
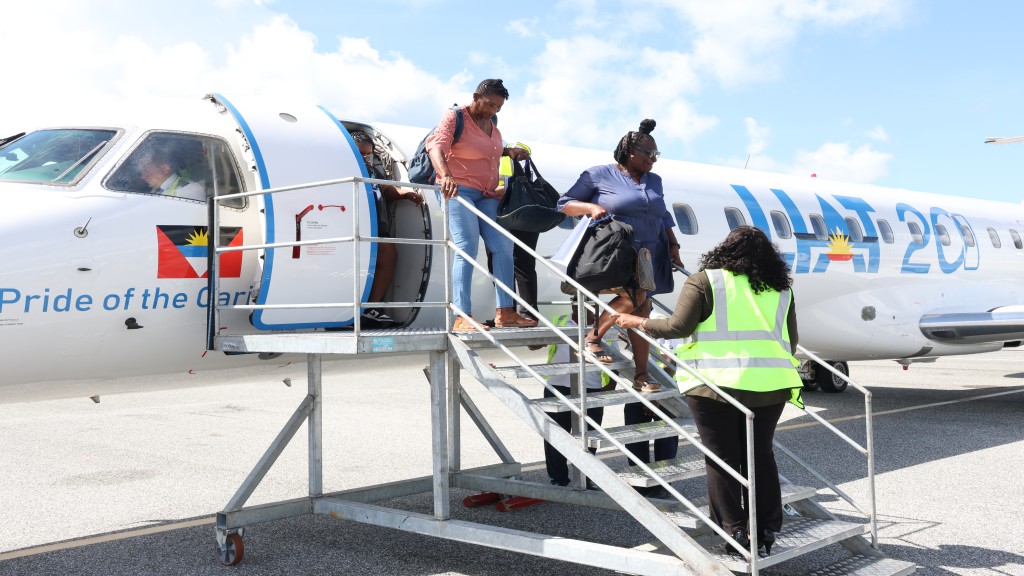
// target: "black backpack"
[[606, 258], [421, 169]]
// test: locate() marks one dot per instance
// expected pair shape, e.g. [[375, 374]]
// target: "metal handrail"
[[583, 354], [577, 345], [214, 250]]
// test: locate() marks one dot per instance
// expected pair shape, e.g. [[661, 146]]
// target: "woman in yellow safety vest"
[[739, 310]]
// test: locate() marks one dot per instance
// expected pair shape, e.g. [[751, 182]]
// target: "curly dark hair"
[[627, 142], [492, 86], [746, 250]]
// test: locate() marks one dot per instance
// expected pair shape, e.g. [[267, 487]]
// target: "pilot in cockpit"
[[162, 170]]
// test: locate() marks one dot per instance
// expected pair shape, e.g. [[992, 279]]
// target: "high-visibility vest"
[[744, 344], [553, 349], [505, 165]]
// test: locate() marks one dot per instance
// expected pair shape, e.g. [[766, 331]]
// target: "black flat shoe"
[[765, 540]]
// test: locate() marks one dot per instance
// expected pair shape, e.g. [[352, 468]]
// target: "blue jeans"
[[466, 229]]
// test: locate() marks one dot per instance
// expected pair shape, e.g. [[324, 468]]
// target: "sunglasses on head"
[[652, 153]]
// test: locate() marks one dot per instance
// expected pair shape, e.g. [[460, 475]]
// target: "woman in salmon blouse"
[[468, 168]]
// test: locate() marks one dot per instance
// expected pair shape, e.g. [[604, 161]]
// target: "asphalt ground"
[[130, 485]]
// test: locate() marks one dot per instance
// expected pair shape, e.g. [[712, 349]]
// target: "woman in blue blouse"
[[632, 194]]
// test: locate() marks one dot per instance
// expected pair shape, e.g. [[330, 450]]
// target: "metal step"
[[688, 466], [639, 432], [515, 336], [866, 566], [684, 519], [798, 537], [518, 371], [600, 399]]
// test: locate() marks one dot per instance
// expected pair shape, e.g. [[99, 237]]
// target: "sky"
[[897, 93]]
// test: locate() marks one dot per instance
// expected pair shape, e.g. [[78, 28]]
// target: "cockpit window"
[[58, 156], [176, 165]]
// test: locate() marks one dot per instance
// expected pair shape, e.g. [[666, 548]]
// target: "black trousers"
[[557, 465], [722, 429], [664, 448], [525, 267]]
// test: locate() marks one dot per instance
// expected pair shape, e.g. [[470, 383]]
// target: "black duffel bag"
[[605, 259], [529, 203]]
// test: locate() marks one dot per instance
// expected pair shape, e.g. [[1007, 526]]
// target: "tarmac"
[[130, 485]]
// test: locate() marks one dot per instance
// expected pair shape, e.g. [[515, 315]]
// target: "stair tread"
[[687, 466], [515, 336], [858, 565], [517, 371], [639, 432], [597, 399], [684, 519], [799, 536]]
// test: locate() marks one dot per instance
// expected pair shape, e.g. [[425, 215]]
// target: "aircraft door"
[[299, 146]]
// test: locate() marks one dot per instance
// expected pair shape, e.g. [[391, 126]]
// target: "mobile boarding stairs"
[[685, 541]]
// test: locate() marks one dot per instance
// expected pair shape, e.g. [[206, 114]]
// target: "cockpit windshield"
[[58, 156]]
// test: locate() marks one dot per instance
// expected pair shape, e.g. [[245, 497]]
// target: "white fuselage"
[[84, 262]]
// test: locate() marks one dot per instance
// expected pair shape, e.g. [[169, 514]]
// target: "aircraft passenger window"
[[781, 224], [856, 234], [734, 218], [818, 224], [686, 220], [183, 166], [1016, 239], [965, 231], [943, 234], [886, 231], [915, 232], [996, 242]]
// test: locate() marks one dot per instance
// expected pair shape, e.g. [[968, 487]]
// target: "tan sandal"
[[463, 325], [641, 384], [509, 318]]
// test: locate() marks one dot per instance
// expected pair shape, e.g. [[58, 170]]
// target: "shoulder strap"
[[459, 123]]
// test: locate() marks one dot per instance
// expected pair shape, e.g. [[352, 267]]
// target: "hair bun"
[[647, 126]]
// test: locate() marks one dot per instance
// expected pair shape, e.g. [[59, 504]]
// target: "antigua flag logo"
[[182, 252]]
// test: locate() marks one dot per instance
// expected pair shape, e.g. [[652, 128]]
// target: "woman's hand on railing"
[[629, 321]]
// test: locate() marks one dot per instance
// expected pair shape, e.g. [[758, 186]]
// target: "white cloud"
[[757, 136], [837, 161], [586, 90], [275, 59], [831, 160], [523, 27], [740, 41], [590, 91], [877, 133]]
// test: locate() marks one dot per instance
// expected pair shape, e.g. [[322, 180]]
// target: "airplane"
[[105, 231]]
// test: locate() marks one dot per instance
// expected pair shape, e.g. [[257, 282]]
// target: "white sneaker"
[[378, 316]]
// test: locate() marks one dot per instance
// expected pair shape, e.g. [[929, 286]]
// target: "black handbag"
[[529, 202], [605, 259]]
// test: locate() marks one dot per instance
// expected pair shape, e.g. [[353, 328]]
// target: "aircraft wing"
[[998, 325]]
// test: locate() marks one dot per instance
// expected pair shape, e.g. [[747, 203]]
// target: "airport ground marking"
[[898, 410], [104, 538]]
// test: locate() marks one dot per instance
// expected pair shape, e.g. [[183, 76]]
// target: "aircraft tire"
[[829, 382]]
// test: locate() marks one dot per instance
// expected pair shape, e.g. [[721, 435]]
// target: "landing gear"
[[829, 382], [229, 548]]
